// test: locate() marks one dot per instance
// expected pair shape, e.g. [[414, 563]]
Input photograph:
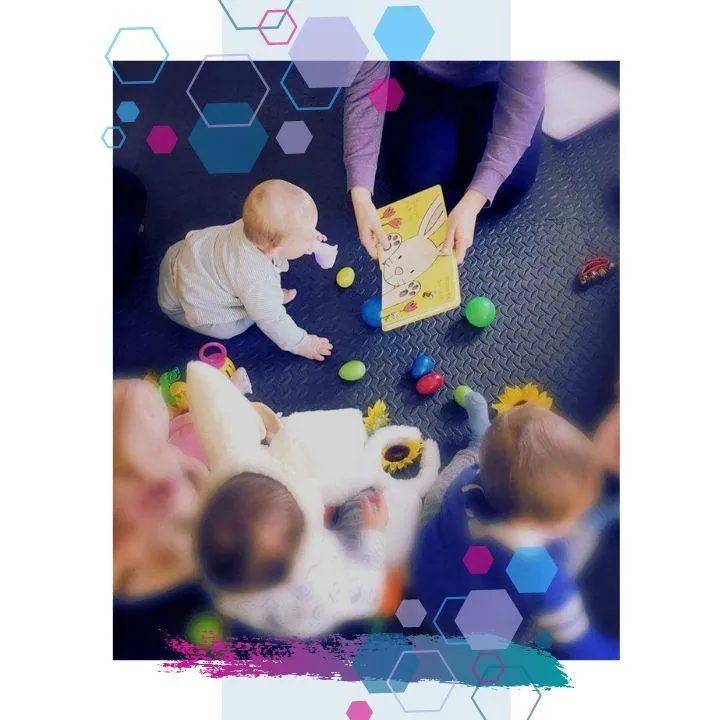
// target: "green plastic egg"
[[480, 311], [345, 277], [460, 394], [352, 370]]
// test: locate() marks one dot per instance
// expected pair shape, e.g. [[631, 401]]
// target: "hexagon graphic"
[[488, 668], [280, 33], [404, 32], [416, 695], [376, 658], [140, 46], [229, 145], [248, 14], [128, 111], [328, 52], [478, 559], [488, 619], [386, 94], [263, 89], [531, 569], [358, 710], [411, 613], [294, 137], [113, 131], [162, 139], [444, 620], [314, 104], [518, 698]]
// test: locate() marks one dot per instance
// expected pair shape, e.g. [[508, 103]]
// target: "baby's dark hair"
[[249, 534]]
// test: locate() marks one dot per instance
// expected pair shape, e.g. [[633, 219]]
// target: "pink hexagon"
[[386, 94], [478, 559], [484, 662], [359, 710], [162, 139], [274, 35]]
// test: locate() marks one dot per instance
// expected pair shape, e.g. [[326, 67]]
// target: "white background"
[[56, 293]]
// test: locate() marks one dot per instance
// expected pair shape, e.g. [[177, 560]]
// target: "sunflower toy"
[[513, 395], [377, 417]]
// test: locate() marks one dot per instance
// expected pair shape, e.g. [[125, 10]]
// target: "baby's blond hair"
[[536, 465], [272, 210]]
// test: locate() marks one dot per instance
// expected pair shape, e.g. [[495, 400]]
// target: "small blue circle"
[[422, 365], [370, 311]]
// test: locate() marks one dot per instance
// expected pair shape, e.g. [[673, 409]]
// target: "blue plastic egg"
[[370, 311], [421, 365]]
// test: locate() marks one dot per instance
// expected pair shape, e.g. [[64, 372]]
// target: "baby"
[[221, 280], [525, 481], [255, 547]]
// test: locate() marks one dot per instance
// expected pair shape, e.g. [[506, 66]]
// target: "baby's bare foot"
[[289, 295]]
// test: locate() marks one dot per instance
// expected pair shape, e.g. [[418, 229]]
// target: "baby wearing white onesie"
[[221, 280]]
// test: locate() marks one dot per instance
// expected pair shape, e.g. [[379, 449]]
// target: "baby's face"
[[302, 237]]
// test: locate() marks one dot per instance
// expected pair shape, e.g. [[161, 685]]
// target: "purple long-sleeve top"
[[519, 102]]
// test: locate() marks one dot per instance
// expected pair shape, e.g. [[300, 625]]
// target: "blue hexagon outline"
[[422, 652], [402, 8], [127, 102], [513, 573], [137, 82], [530, 682], [292, 99], [228, 125], [122, 133], [256, 27], [462, 641]]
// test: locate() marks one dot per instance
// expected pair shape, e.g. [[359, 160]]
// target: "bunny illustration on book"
[[406, 261]]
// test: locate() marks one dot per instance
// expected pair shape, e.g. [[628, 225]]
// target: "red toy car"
[[594, 269]]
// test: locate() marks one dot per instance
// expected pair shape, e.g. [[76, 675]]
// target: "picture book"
[[418, 281]]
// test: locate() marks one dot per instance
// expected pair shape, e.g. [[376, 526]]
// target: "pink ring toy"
[[216, 359]]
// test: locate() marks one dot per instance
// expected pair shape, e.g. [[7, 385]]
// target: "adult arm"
[[518, 105], [362, 134]]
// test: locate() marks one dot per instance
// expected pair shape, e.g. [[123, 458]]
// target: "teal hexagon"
[[128, 111], [228, 150], [531, 569], [404, 32]]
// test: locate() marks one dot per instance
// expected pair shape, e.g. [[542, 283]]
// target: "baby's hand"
[[315, 348], [375, 513]]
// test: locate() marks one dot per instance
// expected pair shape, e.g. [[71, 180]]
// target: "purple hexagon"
[[411, 613], [328, 52], [488, 619], [294, 137], [359, 710], [478, 559], [386, 94], [487, 667], [162, 139]]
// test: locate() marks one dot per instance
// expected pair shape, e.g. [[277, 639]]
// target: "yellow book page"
[[417, 280]]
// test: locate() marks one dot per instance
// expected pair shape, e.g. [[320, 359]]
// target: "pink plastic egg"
[[429, 383]]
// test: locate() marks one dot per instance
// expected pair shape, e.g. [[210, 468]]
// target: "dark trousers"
[[438, 136]]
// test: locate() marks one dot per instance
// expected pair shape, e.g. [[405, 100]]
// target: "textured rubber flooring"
[[546, 330]]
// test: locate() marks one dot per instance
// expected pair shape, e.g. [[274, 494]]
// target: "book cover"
[[418, 281]]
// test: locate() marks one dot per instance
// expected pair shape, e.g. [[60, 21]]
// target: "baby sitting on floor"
[[263, 547], [221, 280]]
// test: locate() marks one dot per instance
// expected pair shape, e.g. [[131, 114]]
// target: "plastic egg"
[[480, 311], [422, 365], [429, 383], [345, 277], [352, 370], [370, 311], [460, 394]]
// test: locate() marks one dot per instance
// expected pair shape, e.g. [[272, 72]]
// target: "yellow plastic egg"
[[345, 277]]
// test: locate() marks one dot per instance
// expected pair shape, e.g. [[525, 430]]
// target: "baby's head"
[[249, 534], [539, 470], [280, 219]]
